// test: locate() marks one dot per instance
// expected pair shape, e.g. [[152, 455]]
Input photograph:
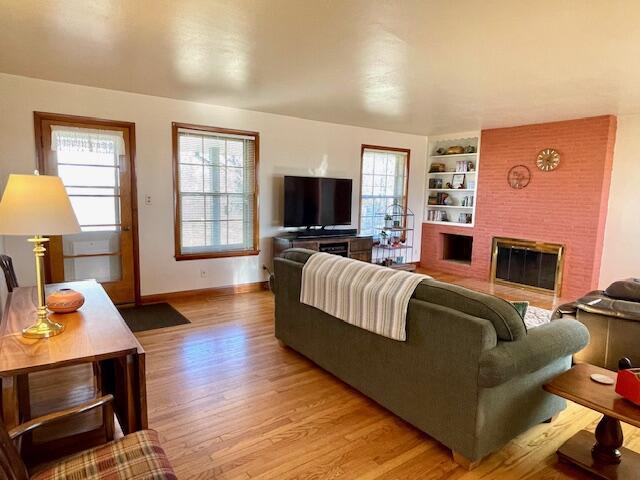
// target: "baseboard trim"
[[205, 292]]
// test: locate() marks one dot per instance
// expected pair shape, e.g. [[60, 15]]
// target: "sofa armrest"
[[541, 346]]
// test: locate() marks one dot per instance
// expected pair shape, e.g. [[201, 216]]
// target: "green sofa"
[[469, 375]]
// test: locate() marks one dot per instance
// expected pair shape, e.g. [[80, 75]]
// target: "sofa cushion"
[[503, 315], [300, 255], [625, 290]]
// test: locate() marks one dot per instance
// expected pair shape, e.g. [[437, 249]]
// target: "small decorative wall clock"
[[519, 177], [548, 159]]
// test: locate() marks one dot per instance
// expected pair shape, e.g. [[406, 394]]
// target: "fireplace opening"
[[530, 264], [457, 248]]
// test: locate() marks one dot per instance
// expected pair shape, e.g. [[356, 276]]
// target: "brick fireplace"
[[567, 206]]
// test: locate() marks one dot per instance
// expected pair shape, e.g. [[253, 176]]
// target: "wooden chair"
[[9, 273], [137, 456]]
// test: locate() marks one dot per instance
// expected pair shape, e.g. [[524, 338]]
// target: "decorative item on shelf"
[[455, 150], [32, 204], [388, 221], [449, 185], [437, 168], [433, 200], [384, 237], [465, 218], [65, 300], [399, 259], [519, 177], [397, 224], [435, 183], [441, 151], [447, 200], [469, 149], [470, 166], [548, 159], [457, 181]]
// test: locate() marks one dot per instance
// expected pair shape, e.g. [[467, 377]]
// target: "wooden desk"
[[95, 333], [603, 455]]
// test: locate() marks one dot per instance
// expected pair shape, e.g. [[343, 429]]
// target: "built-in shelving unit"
[[444, 204]]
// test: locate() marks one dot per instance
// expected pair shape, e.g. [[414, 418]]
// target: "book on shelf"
[[463, 166], [467, 201], [437, 216]]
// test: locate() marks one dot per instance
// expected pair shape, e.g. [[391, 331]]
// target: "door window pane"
[[91, 243], [96, 210], [104, 268]]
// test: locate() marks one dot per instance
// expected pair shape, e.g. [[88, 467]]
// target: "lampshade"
[[36, 205]]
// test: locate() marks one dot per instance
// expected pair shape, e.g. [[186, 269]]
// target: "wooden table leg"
[[606, 459], [608, 441], [24, 398], [140, 392], [125, 379]]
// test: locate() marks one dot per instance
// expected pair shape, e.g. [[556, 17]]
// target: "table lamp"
[[36, 205]]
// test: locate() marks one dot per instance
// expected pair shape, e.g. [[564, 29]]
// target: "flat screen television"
[[317, 201]]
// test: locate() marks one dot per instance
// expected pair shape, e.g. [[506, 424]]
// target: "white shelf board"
[[450, 189], [450, 206], [475, 154], [452, 173], [453, 224]]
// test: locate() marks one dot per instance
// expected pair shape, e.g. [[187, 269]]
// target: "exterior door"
[[95, 162]]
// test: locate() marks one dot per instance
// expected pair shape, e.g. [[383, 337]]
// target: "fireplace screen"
[[529, 264]]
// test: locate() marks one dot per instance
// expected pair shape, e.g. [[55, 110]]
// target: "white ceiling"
[[406, 65]]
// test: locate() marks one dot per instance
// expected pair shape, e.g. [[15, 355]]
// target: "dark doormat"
[[150, 317]]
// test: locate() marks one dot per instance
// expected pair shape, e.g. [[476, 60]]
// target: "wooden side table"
[[602, 455]]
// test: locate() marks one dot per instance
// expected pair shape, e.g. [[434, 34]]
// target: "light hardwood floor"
[[230, 403]]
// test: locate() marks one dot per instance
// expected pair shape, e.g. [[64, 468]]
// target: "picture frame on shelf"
[[457, 181], [435, 183]]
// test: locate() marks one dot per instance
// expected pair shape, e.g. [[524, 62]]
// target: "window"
[[384, 182], [216, 192]]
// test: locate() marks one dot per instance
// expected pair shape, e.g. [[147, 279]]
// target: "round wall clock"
[[548, 159], [519, 177]]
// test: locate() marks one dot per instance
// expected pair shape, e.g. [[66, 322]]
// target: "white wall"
[[621, 251], [287, 146]]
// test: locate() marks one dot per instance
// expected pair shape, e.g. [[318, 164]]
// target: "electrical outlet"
[[203, 274], [147, 199]]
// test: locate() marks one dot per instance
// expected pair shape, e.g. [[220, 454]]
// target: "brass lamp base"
[[43, 329]]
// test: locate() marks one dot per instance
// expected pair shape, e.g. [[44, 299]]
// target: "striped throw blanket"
[[368, 296]]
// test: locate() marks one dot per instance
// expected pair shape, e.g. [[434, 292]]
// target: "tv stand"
[[344, 244], [326, 232]]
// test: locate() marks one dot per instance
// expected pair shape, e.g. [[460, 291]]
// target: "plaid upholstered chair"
[[137, 456]]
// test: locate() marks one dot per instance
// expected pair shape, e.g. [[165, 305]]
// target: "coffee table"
[[603, 454]]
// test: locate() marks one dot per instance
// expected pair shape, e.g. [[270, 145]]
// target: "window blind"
[[384, 183], [216, 191]]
